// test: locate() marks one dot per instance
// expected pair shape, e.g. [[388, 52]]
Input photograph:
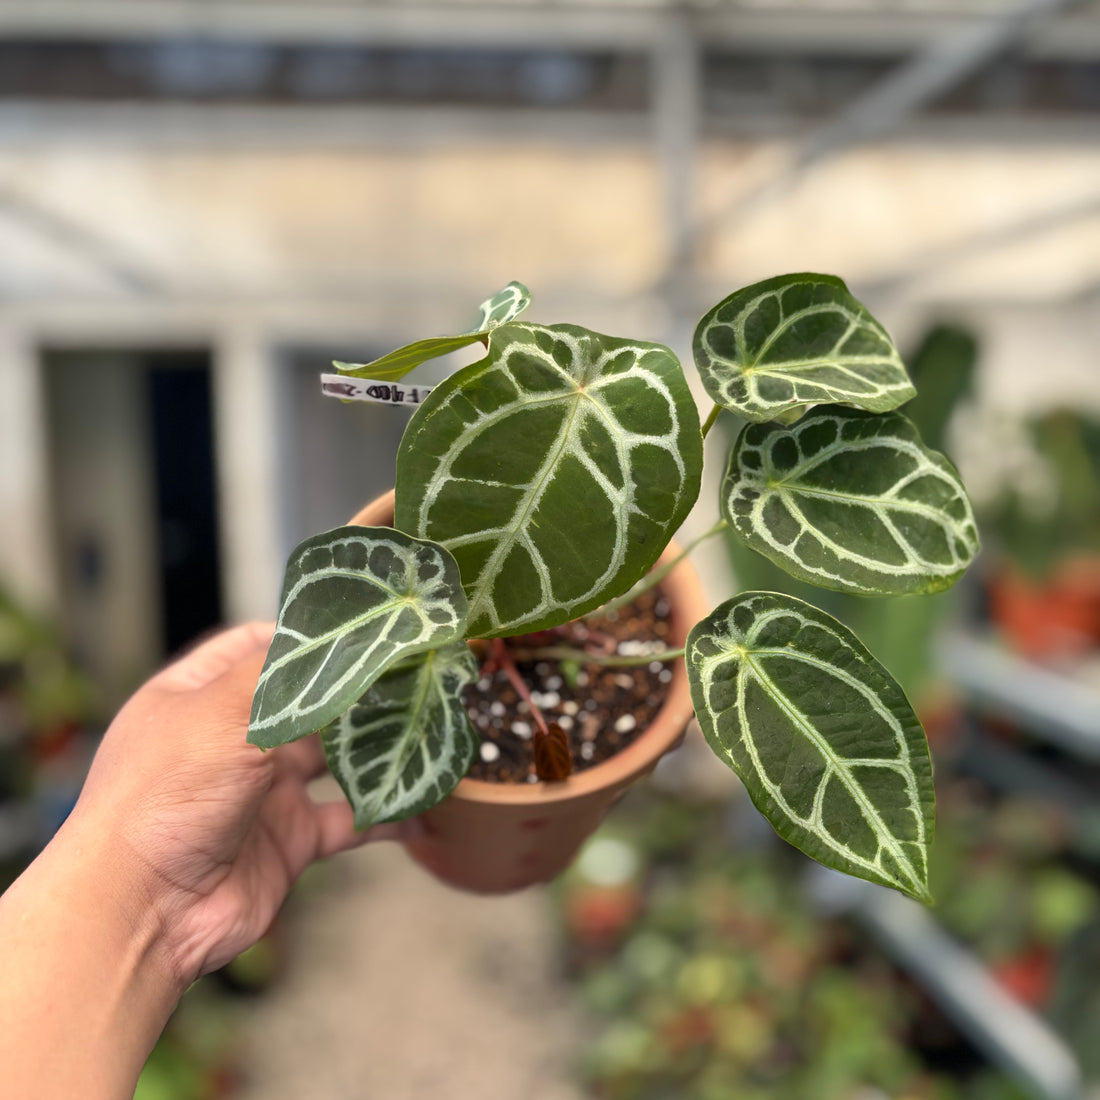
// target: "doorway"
[[131, 450]]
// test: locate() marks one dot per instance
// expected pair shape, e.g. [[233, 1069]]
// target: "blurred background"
[[203, 202]]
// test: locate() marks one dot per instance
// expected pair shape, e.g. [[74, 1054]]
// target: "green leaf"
[[355, 601], [408, 741], [555, 470], [797, 340], [502, 307], [398, 363], [852, 501], [823, 738]]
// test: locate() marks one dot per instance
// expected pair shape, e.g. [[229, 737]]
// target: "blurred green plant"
[[37, 672], [195, 1058], [1012, 887], [942, 369], [725, 986], [1036, 529]]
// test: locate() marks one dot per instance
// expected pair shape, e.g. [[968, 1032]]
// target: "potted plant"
[[1044, 588], [540, 485]]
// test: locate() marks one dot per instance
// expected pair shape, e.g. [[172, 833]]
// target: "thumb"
[[228, 650]]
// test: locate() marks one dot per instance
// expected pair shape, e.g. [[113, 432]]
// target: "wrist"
[[129, 895], [90, 985], [128, 898]]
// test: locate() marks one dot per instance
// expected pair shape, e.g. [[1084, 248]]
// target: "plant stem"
[[505, 662], [568, 653], [709, 422], [655, 576]]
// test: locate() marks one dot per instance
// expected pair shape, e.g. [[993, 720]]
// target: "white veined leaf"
[[504, 306], [852, 501], [555, 470], [407, 742], [355, 601], [507, 304], [821, 735], [797, 340]]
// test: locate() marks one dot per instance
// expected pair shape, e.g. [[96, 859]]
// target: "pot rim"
[[687, 602]]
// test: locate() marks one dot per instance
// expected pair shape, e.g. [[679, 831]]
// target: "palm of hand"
[[223, 829]]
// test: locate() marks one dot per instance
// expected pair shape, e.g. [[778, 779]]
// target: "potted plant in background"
[[1044, 588], [537, 488]]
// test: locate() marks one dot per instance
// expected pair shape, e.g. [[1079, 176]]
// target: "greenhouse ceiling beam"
[[35, 124], [75, 237], [879, 111], [577, 25], [38, 123], [937, 261], [470, 25]]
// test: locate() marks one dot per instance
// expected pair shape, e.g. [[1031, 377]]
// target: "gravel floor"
[[398, 988]]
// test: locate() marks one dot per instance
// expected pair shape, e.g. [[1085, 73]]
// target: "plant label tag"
[[378, 393]]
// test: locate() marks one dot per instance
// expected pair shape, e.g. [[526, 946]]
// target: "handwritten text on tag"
[[379, 393]]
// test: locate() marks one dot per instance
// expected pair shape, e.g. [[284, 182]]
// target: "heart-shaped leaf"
[[408, 741], [853, 501], [355, 601], [501, 308], [821, 735], [555, 470], [797, 340]]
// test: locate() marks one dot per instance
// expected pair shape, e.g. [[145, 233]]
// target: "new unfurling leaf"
[[507, 304]]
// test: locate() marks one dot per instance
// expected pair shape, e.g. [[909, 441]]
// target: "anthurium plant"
[[541, 484]]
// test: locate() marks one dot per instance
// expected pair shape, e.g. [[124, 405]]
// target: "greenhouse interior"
[[210, 211]]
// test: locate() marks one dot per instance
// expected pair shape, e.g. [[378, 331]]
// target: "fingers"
[[217, 656], [336, 829]]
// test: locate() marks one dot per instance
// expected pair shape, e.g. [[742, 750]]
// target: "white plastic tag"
[[378, 393]]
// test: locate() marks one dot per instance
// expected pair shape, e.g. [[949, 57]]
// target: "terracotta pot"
[[494, 838], [1055, 617]]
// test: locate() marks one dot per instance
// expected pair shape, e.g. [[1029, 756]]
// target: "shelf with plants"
[[1059, 706], [1034, 658], [1013, 765], [47, 734], [706, 975], [1017, 885], [1008, 948], [1043, 527]]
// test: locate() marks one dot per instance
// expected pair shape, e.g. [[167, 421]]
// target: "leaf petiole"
[[655, 576], [711, 418], [504, 659]]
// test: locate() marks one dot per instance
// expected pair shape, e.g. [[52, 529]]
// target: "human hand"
[[219, 829]]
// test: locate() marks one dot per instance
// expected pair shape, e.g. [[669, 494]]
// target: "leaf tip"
[[257, 739], [923, 894]]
